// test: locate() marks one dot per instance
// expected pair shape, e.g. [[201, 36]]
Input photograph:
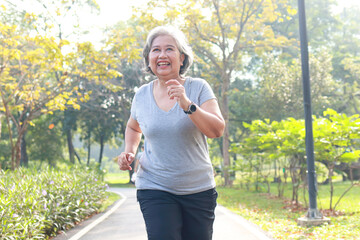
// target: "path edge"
[[85, 230]]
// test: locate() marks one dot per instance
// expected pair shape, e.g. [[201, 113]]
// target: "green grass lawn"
[[120, 179], [278, 215]]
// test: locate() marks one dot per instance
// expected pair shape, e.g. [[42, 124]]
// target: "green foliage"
[[36, 205], [280, 85], [41, 74], [44, 140], [335, 136], [283, 144]]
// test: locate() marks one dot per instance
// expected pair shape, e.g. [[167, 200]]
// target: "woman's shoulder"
[[197, 81], [143, 89]]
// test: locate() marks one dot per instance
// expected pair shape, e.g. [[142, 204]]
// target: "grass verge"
[[120, 179], [110, 199], [278, 216]]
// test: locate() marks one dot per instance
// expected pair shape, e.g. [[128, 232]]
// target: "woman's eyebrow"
[[157, 46]]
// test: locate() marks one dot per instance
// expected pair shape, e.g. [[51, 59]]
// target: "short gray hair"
[[181, 43]]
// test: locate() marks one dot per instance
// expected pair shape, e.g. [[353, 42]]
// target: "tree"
[[244, 106], [44, 139], [261, 146], [335, 141], [37, 78], [53, 18], [102, 116], [27, 65], [224, 37], [351, 64], [280, 86], [292, 147]]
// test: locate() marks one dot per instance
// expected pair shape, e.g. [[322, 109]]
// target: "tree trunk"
[[295, 179], [12, 148], [18, 152], [24, 161], [346, 191], [77, 156], [331, 170], [276, 178], [89, 149], [101, 150], [226, 156], [7, 117], [348, 167], [226, 139], [70, 146]]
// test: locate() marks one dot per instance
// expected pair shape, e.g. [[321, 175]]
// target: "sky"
[[111, 12], [346, 3], [114, 10]]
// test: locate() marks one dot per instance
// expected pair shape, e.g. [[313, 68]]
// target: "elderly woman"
[[175, 182]]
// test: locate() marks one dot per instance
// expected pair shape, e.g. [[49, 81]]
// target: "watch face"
[[192, 108]]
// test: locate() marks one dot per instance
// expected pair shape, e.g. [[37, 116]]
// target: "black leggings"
[[178, 217]]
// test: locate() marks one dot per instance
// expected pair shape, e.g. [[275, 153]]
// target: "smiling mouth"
[[163, 64]]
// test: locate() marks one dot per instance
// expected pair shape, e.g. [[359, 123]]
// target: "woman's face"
[[165, 59]]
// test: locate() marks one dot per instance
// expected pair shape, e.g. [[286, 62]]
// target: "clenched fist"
[[124, 161]]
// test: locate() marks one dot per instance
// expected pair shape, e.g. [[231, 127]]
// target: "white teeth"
[[163, 63]]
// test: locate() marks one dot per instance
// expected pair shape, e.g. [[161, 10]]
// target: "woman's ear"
[[182, 58]]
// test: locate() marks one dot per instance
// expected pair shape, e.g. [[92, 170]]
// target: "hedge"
[[38, 204]]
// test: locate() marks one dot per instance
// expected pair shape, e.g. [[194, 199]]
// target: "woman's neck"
[[161, 81]]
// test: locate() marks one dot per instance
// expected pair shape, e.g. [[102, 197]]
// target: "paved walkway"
[[123, 221]]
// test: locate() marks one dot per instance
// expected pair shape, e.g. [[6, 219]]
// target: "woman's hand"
[[207, 118], [124, 161], [177, 91]]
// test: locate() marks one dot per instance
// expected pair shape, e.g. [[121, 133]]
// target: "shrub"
[[38, 204]]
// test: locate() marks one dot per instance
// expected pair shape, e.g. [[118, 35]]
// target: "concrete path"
[[123, 221]]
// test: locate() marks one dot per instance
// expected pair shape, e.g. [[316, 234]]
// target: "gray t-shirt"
[[176, 157]]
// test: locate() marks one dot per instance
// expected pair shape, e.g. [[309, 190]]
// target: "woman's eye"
[[169, 49], [155, 50]]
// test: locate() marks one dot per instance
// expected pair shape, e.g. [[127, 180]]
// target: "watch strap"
[[189, 111]]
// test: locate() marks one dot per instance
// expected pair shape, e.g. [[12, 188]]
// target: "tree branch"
[[209, 55]]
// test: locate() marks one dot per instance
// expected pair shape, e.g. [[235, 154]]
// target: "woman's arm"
[[208, 119], [133, 135]]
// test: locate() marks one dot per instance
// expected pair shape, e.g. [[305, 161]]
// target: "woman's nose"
[[162, 53]]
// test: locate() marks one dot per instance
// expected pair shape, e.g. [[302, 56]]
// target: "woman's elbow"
[[217, 132]]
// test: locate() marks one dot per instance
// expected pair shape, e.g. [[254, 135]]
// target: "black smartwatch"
[[191, 108]]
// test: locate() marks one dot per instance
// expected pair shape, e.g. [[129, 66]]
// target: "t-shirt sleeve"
[[206, 93], [133, 108]]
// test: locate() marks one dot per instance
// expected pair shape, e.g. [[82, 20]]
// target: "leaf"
[[350, 156]]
